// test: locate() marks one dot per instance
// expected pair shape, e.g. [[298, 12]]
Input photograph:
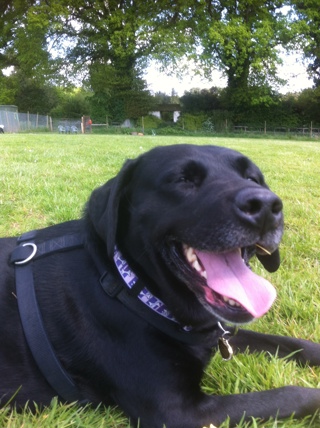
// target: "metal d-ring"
[[225, 332], [31, 244]]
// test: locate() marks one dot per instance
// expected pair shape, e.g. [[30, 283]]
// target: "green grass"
[[46, 179]]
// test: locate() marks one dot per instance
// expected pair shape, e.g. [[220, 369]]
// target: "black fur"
[[209, 198]]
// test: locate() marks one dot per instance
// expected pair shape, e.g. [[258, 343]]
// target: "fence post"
[[265, 127], [18, 120], [82, 125], [311, 130]]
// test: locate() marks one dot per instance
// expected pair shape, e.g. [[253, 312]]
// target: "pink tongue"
[[228, 275]]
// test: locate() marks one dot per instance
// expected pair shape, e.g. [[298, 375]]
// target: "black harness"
[[30, 314], [27, 251]]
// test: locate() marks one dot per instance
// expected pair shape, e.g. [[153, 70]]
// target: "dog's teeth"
[[193, 260], [189, 253], [231, 302], [196, 265]]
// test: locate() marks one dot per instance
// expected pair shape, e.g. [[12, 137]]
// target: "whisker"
[[263, 249]]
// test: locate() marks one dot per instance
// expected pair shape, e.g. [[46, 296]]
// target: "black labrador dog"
[[127, 304]]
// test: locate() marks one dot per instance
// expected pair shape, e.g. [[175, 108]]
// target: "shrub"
[[149, 122], [192, 122]]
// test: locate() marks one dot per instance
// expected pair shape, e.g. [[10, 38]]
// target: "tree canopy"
[[306, 18], [242, 39], [104, 46]]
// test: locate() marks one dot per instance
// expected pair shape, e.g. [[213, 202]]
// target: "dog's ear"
[[103, 205], [270, 262]]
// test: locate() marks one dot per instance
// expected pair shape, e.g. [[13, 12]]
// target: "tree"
[[118, 94], [306, 26], [25, 39], [11, 13], [201, 100], [72, 103], [308, 102], [241, 39], [113, 41], [7, 91], [31, 94]]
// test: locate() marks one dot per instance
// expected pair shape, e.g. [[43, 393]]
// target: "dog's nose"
[[259, 207]]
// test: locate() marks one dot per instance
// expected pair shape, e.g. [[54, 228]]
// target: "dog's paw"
[[211, 426]]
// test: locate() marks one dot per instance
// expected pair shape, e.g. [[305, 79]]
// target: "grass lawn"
[[46, 179]]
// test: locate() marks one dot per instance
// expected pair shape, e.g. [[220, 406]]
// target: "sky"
[[292, 70]]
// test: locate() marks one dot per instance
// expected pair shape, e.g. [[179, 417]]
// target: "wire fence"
[[28, 121], [13, 121], [306, 131]]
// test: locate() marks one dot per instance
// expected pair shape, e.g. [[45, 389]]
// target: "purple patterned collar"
[[144, 296]]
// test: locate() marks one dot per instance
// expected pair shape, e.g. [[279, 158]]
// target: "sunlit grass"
[[64, 416], [46, 179]]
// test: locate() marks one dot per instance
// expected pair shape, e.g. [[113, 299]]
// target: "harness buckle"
[[109, 285], [30, 257]]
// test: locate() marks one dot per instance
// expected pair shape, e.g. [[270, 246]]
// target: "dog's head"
[[188, 219]]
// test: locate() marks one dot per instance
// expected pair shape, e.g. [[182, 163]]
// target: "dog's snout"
[[259, 207]]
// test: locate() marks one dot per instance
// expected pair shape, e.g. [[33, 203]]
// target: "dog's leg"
[[303, 351], [180, 411], [277, 403]]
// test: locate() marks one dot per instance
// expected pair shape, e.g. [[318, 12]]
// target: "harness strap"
[[171, 328], [30, 314], [28, 250]]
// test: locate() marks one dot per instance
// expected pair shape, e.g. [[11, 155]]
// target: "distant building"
[[173, 109]]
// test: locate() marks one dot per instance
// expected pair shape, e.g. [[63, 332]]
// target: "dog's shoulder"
[[61, 229]]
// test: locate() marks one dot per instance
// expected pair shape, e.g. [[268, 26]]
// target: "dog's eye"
[[193, 173], [182, 179], [194, 180], [254, 179]]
